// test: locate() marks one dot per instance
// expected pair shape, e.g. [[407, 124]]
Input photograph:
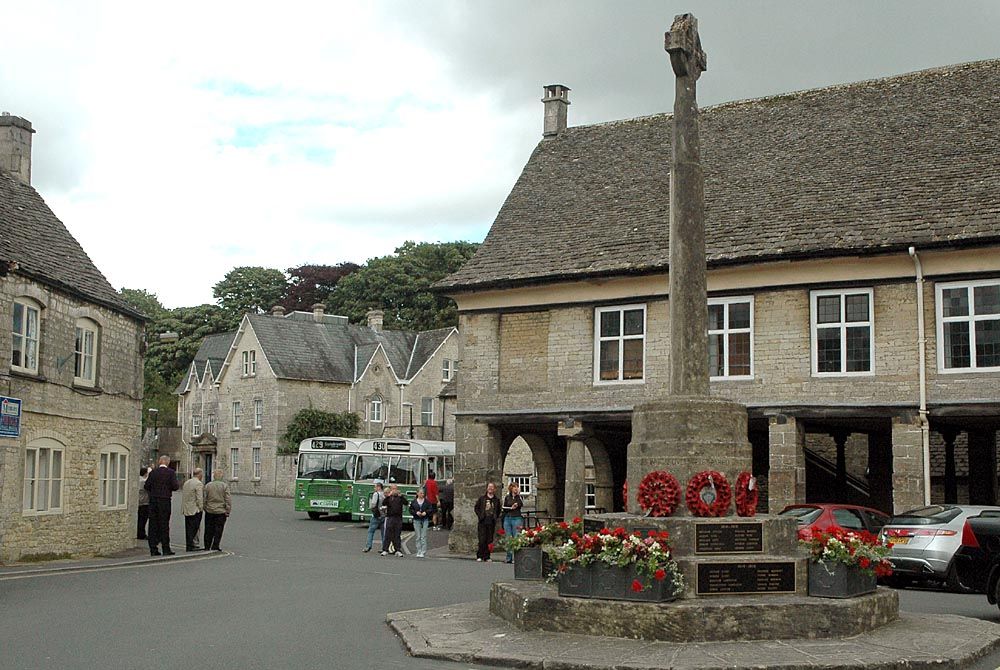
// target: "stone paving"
[[468, 633]]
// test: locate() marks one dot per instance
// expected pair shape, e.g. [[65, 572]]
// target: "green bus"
[[336, 475]]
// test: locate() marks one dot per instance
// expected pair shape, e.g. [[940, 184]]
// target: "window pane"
[[29, 479], [17, 353], [610, 324], [633, 322], [78, 362], [715, 353], [987, 299], [632, 365], [609, 360], [121, 493], [846, 518], [56, 494], [715, 317], [103, 479], [19, 318], [955, 301], [828, 309], [988, 344], [857, 307], [828, 350], [739, 315], [956, 345], [859, 349], [373, 467], [739, 354], [43, 479], [404, 470]]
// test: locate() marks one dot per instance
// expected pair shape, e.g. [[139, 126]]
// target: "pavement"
[[125, 559]]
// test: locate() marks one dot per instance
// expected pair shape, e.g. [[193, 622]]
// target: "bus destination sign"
[[329, 444], [379, 445]]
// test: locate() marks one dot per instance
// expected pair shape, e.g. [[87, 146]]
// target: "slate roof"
[[212, 352], [336, 351], [862, 168], [45, 251]]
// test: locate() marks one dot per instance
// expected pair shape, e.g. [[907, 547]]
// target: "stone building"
[[72, 354], [853, 241], [245, 387]]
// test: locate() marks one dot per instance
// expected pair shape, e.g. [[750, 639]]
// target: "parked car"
[[977, 561], [924, 542], [816, 517]]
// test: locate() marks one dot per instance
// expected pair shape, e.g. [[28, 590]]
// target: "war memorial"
[[745, 593]]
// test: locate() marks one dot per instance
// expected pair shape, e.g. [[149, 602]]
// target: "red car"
[[817, 517]]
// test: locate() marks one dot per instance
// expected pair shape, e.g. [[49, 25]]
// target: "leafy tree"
[[311, 422], [143, 301], [249, 289], [400, 283], [311, 284]]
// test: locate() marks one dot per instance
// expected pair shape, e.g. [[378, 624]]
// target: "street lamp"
[[410, 406]]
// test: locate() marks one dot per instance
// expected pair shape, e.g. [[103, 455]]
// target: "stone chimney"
[[318, 311], [15, 146], [277, 310], [375, 319], [556, 103]]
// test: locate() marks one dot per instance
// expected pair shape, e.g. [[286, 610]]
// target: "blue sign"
[[10, 417]]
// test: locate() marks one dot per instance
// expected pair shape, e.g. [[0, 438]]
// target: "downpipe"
[[925, 429]]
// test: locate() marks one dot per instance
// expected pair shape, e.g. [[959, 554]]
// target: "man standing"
[[160, 484], [431, 491], [218, 505], [140, 529], [393, 521], [447, 501], [192, 503], [487, 510], [377, 521]]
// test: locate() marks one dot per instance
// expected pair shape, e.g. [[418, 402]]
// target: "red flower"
[[577, 519], [664, 534], [864, 562], [636, 585], [660, 574], [490, 547], [636, 533], [605, 531], [500, 531], [652, 533], [563, 525]]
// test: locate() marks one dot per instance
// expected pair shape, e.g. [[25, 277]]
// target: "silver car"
[[925, 541]]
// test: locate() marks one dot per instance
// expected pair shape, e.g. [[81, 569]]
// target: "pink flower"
[[636, 585]]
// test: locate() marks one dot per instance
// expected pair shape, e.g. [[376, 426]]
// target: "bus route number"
[[378, 446]]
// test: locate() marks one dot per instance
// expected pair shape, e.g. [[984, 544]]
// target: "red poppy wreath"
[[746, 494], [709, 494], [659, 493]]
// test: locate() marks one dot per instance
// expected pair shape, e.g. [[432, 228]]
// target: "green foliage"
[[143, 302], [249, 289], [311, 422], [312, 284], [400, 283]]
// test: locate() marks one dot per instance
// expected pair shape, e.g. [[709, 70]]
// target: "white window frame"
[[726, 331], [970, 319], [523, 483], [30, 342], [81, 356], [234, 463], [258, 413], [621, 337], [112, 478], [212, 425], [427, 416], [446, 370], [255, 455], [843, 325], [246, 363], [237, 412], [43, 448], [374, 409], [253, 362], [195, 424], [590, 496]]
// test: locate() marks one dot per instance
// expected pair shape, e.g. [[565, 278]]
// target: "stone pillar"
[[880, 470], [575, 491], [983, 467], [950, 482], [546, 500], [786, 481], [840, 439], [478, 461], [604, 480], [907, 463]]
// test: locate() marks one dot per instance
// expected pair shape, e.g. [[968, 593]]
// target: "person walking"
[[487, 510], [421, 511], [160, 484], [393, 505], [192, 504], [143, 513], [377, 521], [431, 491], [218, 506], [513, 521], [446, 500]]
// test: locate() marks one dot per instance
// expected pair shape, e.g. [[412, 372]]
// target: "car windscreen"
[[326, 466], [926, 516], [803, 515]]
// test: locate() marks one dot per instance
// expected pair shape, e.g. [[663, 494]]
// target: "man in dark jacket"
[[394, 503], [161, 484], [447, 502], [487, 511]]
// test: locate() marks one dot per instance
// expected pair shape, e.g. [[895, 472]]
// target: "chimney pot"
[[375, 319], [318, 310], [277, 310], [15, 146], [556, 102]]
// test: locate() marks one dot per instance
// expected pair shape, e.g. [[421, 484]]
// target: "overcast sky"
[[180, 140]]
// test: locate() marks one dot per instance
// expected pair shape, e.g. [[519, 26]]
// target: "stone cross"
[[688, 292]]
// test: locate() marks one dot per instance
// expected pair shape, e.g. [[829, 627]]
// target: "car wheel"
[[314, 515], [953, 583]]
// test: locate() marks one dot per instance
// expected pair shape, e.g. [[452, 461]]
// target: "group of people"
[[491, 510], [212, 500], [431, 507]]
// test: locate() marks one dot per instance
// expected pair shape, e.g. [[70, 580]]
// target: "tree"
[[400, 284], [311, 422], [312, 284], [249, 289], [143, 301]]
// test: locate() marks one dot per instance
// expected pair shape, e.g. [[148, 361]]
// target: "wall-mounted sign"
[[10, 417]]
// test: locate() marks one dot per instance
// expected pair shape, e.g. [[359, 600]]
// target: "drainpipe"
[[925, 430]]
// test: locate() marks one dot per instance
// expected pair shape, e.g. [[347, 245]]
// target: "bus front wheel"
[[314, 515]]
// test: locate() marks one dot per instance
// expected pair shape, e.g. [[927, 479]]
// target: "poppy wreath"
[[746, 494], [659, 493], [625, 493], [696, 500]]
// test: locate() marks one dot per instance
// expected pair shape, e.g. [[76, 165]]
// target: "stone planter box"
[[611, 583], [532, 563], [836, 580]]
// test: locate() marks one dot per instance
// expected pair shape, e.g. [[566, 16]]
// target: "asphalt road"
[[296, 594]]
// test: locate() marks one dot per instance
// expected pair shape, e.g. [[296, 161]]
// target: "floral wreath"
[[709, 494], [625, 493], [746, 494], [660, 493]]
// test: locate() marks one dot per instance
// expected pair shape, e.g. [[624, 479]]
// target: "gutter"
[[925, 433]]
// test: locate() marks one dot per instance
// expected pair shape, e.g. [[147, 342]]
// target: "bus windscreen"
[[326, 466]]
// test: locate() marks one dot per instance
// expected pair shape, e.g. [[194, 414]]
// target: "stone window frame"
[[426, 414], [32, 454], [620, 338], [234, 463], [84, 326], [258, 413], [255, 463], [970, 318], [842, 324], [212, 423], [374, 409], [118, 485], [27, 305], [250, 363], [237, 413], [195, 424], [726, 331]]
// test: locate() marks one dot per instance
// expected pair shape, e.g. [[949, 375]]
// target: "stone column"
[[880, 470], [983, 467], [950, 482], [786, 482], [907, 463], [479, 460], [575, 492], [840, 440]]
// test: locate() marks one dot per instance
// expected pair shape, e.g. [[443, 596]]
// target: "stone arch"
[[545, 493], [603, 475]]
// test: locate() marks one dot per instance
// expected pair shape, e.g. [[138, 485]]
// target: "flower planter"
[[837, 580], [611, 583], [531, 563]]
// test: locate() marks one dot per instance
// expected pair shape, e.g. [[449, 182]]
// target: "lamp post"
[[409, 405], [154, 416]]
